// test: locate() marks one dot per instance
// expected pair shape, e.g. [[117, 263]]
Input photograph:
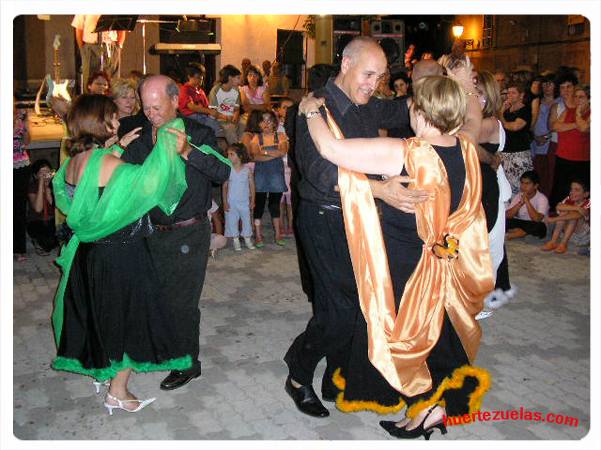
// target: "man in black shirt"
[[180, 244], [321, 224]]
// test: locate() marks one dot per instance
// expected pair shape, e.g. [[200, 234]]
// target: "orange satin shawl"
[[400, 343]]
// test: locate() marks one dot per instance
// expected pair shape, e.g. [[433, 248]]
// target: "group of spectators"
[[248, 122], [545, 118], [547, 155], [240, 110]]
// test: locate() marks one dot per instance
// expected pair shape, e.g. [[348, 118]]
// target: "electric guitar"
[[56, 86]]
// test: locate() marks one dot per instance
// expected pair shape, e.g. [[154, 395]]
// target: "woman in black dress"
[[107, 318], [415, 343]]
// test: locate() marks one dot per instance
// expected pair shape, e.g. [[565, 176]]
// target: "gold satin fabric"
[[400, 343]]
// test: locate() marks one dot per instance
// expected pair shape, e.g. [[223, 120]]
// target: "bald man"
[[336, 312], [425, 68], [179, 244]]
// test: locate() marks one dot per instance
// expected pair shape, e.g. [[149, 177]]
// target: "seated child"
[[573, 219], [40, 217], [527, 209]]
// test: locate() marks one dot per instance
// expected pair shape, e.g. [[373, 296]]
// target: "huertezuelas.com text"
[[521, 414]]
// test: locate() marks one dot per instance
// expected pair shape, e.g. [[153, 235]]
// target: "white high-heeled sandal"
[[100, 384], [119, 405]]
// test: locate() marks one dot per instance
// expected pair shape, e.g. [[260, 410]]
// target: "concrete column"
[[323, 39]]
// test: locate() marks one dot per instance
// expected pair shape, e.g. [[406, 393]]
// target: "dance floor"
[[536, 348]]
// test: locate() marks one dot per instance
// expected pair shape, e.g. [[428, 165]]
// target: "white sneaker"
[[237, 246], [249, 243], [495, 299], [510, 294]]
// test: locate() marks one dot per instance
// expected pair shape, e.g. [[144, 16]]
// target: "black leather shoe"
[[177, 379], [306, 400]]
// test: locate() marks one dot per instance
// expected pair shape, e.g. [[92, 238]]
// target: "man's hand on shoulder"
[[392, 192]]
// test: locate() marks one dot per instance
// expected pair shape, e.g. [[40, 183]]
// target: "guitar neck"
[[57, 67]]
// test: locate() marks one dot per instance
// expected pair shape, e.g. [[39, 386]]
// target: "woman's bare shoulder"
[[109, 163]]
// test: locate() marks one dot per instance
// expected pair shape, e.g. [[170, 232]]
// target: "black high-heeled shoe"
[[403, 433]]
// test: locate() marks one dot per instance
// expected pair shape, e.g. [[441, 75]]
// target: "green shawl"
[[132, 191]]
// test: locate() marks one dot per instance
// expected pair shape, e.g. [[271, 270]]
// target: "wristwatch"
[[312, 114]]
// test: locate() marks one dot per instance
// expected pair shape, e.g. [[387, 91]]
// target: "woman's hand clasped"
[[129, 137], [183, 148], [310, 103]]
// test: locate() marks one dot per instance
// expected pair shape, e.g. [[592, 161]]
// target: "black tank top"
[[402, 227]]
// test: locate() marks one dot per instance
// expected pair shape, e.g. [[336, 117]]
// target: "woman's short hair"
[[226, 72], [565, 76], [99, 74], [400, 76], [120, 88], [441, 102], [255, 70], [38, 164], [490, 89], [88, 121], [517, 85]]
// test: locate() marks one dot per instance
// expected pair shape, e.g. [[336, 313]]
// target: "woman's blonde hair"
[[120, 87], [441, 102], [490, 88]]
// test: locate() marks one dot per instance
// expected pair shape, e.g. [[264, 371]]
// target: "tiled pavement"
[[537, 349]]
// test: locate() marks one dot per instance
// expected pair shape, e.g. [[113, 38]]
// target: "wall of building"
[[539, 42], [255, 37], [251, 36]]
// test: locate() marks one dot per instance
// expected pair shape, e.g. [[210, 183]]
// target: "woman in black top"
[[516, 118]]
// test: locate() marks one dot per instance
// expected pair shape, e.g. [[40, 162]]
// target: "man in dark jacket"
[[180, 243], [349, 97]]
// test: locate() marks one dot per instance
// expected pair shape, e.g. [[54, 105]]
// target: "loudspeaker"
[[390, 34], [347, 23], [175, 30], [345, 28], [340, 41]]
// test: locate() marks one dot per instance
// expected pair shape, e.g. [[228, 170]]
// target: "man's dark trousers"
[[336, 305], [180, 256]]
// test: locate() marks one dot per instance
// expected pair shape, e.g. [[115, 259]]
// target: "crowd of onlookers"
[[245, 108], [546, 155], [547, 120]]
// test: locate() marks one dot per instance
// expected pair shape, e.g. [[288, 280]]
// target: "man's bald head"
[[359, 46], [159, 95], [363, 64], [425, 68], [159, 83]]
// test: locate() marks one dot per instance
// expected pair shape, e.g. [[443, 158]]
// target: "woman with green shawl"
[[107, 317]]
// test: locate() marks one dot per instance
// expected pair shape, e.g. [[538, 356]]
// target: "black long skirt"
[[113, 316], [365, 389]]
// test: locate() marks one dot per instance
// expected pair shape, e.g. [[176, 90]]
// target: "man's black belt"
[[182, 224]]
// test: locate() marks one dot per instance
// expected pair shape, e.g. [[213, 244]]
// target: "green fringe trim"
[[107, 373]]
